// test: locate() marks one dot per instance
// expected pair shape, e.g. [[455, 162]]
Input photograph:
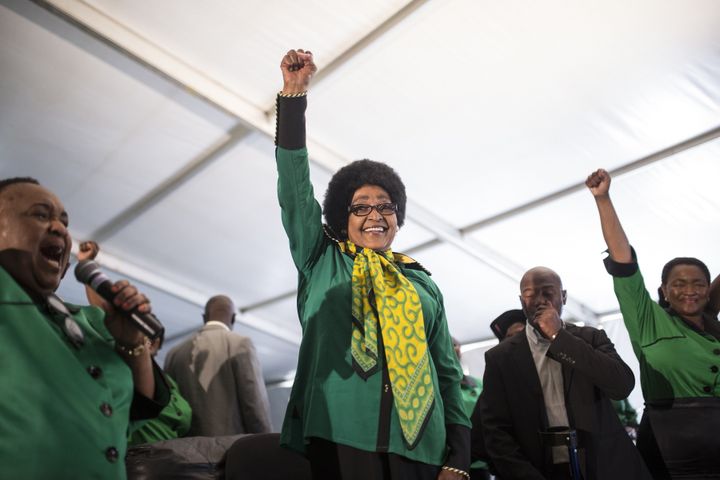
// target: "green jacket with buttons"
[[64, 411], [676, 360]]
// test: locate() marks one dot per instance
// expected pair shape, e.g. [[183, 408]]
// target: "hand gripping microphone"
[[89, 273]]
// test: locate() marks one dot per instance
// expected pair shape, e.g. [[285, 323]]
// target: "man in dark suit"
[[555, 375]]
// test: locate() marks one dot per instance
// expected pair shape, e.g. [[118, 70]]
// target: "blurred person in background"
[[508, 324], [471, 387], [219, 374]]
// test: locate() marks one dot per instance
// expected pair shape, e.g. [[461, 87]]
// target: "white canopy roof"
[[153, 121]]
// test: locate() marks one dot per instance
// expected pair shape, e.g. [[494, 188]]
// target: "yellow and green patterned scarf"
[[382, 295]]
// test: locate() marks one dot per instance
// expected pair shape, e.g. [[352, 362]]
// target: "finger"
[[305, 58], [145, 306], [290, 59], [593, 180], [90, 247], [135, 301], [119, 285], [124, 293], [287, 62], [293, 55]]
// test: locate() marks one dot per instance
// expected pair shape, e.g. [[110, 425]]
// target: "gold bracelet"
[[456, 470], [135, 351], [292, 95]]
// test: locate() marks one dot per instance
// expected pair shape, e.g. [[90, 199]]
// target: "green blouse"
[[676, 360], [328, 399], [172, 422]]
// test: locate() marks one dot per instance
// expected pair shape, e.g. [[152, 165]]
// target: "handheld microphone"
[[89, 273]]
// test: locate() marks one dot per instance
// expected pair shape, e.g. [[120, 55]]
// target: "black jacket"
[[512, 410]]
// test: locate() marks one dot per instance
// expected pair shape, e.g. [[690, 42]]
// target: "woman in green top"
[[377, 389], [677, 343], [173, 420]]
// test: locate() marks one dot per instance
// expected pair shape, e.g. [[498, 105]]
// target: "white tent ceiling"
[[153, 122]]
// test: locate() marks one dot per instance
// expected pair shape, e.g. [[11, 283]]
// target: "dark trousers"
[[332, 461], [479, 474], [680, 439], [560, 471], [648, 448]]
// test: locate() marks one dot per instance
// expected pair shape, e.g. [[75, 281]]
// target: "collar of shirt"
[[536, 338], [215, 322]]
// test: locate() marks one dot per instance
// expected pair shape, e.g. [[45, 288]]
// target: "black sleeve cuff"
[[290, 122], [477, 443], [621, 269], [143, 407], [458, 442]]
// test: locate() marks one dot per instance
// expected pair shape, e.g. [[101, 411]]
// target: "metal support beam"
[[692, 142], [194, 297], [164, 189], [347, 55], [459, 237]]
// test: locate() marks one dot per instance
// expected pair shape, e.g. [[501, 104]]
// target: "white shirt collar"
[[215, 322], [535, 337]]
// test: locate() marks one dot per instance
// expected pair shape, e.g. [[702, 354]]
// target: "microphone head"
[[85, 270]]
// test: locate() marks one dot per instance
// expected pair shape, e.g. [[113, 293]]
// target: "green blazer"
[[64, 411]]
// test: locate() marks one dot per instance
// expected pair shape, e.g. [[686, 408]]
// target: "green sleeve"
[[447, 366], [638, 309], [301, 213]]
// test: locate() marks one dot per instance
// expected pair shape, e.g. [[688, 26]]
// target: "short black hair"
[[674, 263], [12, 181], [345, 183]]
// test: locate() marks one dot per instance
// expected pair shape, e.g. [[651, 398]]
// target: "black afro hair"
[[348, 179]]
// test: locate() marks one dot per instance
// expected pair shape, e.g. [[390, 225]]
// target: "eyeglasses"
[[362, 210], [72, 330]]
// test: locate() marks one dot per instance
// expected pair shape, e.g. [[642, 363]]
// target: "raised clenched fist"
[[297, 68]]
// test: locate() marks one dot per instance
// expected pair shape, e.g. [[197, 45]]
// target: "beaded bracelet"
[[456, 470], [135, 351], [292, 95]]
